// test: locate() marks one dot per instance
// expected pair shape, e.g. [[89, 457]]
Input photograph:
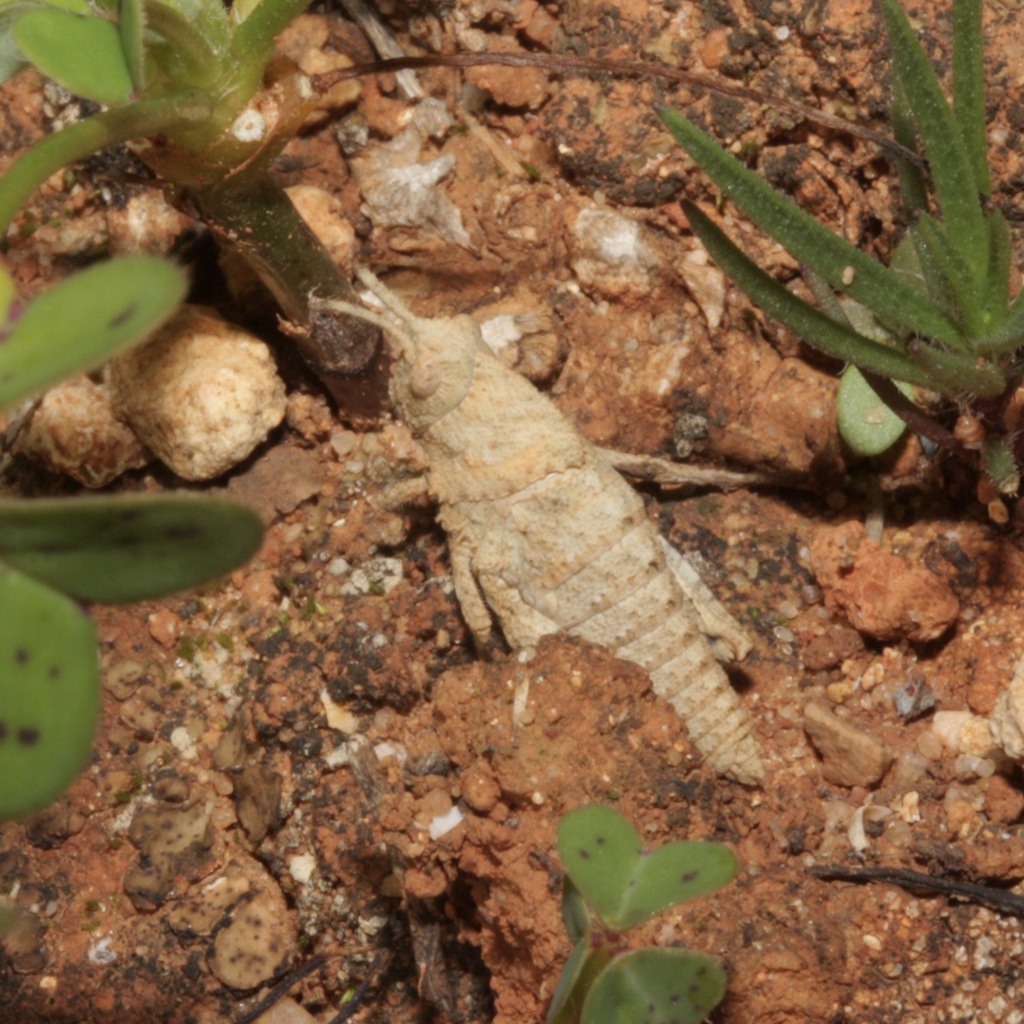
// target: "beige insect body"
[[545, 534]]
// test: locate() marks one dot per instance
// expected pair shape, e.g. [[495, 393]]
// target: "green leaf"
[[1009, 334], [956, 373], [866, 423], [997, 298], [947, 273], [817, 329], [574, 913], [969, 86], [131, 18], [948, 157], [655, 986], [82, 53], [253, 39], [568, 995], [120, 124], [12, 60], [913, 187], [192, 43], [624, 885], [49, 693], [127, 548], [86, 319], [844, 266], [6, 295], [1001, 466]]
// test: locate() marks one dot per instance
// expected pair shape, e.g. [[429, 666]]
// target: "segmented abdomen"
[[599, 572]]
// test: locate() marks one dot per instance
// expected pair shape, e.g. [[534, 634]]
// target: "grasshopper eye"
[[424, 378]]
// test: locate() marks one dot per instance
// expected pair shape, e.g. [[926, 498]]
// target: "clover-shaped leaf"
[[652, 986], [625, 885]]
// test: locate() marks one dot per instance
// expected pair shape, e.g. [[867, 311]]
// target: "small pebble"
[[929, 746], [850, 756], [201, 394], [480, 788]]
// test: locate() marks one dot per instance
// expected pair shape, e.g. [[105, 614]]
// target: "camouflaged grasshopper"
[[546, 535]]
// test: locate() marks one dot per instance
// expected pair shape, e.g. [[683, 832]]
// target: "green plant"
[[939, 317], [197, 87], [55, 553], [608, 871]]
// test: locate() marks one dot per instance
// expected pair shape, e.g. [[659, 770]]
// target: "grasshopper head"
[[435, 358], [435, 368]]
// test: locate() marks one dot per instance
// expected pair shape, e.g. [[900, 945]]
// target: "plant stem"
[[919, 422], [49, 155], [251, 214]]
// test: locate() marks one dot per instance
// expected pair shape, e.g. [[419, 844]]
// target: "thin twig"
[[385, 44], [561, 63], [358, 997], [280, 990], [665, 473], [918, 421], [999, 900]]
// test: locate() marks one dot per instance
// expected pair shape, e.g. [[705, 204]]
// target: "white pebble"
[[201, 394], [301, 867], [445, 823]]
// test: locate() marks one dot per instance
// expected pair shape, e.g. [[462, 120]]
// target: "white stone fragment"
[[399, 191], [1007, 721], [201, 394], [74, 430], [963, 733], [100, 952], [444, 823], [301, 867], [706, 283], [500, 332], [611, 255], [379, 575]]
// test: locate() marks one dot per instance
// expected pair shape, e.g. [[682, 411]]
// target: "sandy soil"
[[274, 750]]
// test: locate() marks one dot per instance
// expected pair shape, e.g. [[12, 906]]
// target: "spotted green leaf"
[[85, 320], [623, 884], [49, 693], [127, 548], [655, 986], [81, 52]]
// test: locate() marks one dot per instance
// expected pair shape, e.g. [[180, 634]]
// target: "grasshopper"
[[545, 535]]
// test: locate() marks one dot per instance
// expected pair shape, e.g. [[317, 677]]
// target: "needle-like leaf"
[[844, 266], [809, 323], [951, 166], [969, 86]]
